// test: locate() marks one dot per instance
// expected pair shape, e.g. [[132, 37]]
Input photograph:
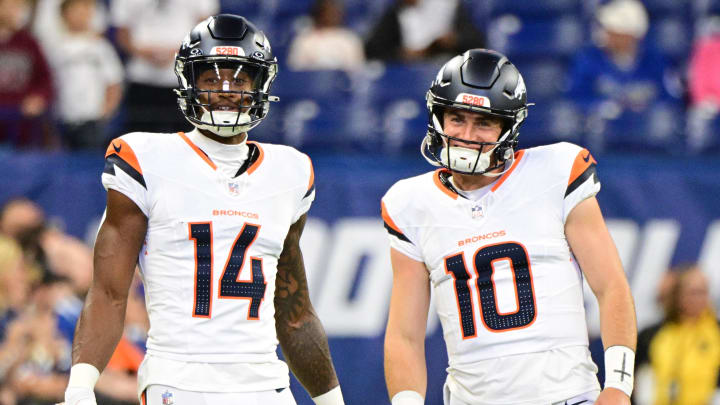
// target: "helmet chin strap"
[[466, 160], [231, 123]]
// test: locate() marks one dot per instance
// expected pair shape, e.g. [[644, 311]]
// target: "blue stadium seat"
[[666, 8], [659, 129], [296, 7], [673, 37], [325, 84], [544, 77], [403, 81], [537, 37], [307, 123], [551, 120], [247, 8], [537, 8]]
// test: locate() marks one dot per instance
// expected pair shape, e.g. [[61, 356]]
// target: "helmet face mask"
[[478, 81], [225, 69]]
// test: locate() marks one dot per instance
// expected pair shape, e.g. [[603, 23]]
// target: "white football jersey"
[[507, 289], [209, 259]]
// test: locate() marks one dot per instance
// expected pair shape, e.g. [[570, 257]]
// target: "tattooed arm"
[[301, 335]]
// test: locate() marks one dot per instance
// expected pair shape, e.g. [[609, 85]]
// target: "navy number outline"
[[483, 261], [229, 284]]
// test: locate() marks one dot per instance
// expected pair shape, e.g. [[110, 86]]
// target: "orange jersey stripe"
[[438, 183], [518, 155], [124, 151], [197, 150], [312, 175], [387, 219], [259, 160], [583, 160]]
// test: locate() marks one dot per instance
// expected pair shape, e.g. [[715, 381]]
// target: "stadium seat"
[[536, 37], [666, 8], [551, 120], [538, 8], [291, 7], [544, 77], [658, 128], [325, 84], [248, 8], [403, 81], [673, 37]]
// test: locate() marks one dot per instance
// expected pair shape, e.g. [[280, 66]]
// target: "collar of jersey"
[[204, 156], [446, 187]]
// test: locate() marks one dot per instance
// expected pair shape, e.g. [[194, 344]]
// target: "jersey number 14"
[[229, 285], [485, 260]]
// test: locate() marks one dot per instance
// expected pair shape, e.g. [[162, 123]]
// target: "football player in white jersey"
[[214, 222], [504, 238]]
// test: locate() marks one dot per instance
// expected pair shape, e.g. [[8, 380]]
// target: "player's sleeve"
[[398, 239], [123, 173], [309, 196], [582, 183]]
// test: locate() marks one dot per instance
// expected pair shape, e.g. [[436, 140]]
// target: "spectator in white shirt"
[[326, 44], [89, 77]]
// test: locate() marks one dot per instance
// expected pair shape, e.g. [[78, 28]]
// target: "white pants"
[[587, 398], [164, 395]]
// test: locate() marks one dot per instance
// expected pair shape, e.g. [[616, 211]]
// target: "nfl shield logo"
[[234, 189], [167, 398], [477, 211]]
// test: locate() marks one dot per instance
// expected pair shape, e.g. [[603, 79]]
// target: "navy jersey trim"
[[253, 156], [310, 190], [115, 160], [395, 233], [590, 171]]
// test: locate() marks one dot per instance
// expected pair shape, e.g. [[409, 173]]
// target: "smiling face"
[[221, 89], [471, 126]]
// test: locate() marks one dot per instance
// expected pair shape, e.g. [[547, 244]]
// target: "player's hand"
[[79, 396], [612, 396]]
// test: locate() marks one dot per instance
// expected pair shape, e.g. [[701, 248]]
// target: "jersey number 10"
[[229, 286], [484, 260]]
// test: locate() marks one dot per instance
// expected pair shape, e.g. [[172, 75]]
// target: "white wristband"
[[332, 397], [620, 368], [408, 398], [83, 375]]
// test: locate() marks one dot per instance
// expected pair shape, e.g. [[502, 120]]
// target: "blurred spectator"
[[41, 375], [47, 23], [413, 30], [326, 45], [704, 85], [18, 215], [149, 32], [89, 76], [16, 279], [681, 355], [25, 83], [618, 82], [59, 255], [619, 67], [33, 357], [68, 257]]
